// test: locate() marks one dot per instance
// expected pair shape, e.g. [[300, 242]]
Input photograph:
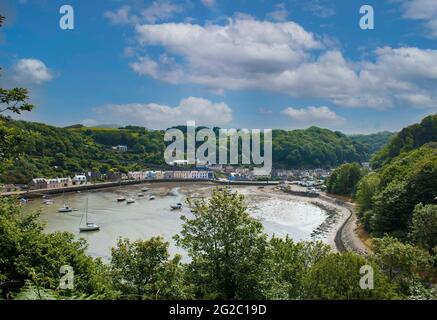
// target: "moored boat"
[[89, 226], [176, 206]]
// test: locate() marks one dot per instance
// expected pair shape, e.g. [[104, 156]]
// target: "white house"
[[79, 179], [138, 175]]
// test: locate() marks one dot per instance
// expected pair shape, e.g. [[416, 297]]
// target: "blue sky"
[[243, 63]]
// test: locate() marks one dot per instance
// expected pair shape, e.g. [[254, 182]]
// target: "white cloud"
[[157, 11], [313, 116], [208, 3], [120, 16], [157, 116], [283, 57], [224, 56], [31, 71], [424, 10], [280, 13]]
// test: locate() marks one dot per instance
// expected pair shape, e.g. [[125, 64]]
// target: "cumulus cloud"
[[230, 56], [32, 71], [313, 116], [423, 10], [157, 116], [157, 11], [246, 53]]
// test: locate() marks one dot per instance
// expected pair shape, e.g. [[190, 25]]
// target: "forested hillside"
[[50, 151], [409, 138], [387, 198], [375, 141]]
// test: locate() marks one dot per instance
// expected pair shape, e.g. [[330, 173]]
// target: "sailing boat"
[[89, 226], [65, 208], [121, 198]]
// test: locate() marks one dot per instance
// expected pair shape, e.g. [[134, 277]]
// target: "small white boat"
[[145, 189], [48, 202], [65, 208], [176, 206], [152, 197], [89, 226], [130, 200], [121, 199], [140, 195]]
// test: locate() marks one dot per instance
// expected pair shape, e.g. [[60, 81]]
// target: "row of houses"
[[43, 183], [169, 175]]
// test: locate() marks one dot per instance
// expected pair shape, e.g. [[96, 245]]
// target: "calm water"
[[146, 218]]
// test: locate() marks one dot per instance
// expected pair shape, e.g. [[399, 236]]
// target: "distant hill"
[[407, 139], [375, 141], [50, 151]]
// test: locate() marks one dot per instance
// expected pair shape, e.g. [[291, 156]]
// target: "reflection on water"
[[147, 218]]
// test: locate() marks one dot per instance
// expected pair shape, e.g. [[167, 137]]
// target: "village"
[[312, 179]]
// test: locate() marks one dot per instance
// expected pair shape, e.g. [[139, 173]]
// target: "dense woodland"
[[48, 151], [399, 196]]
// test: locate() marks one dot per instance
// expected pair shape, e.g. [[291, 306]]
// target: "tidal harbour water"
[[280, 214]]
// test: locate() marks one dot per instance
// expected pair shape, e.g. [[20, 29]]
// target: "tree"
[[424, 226], [337, 276], [143, 270], [289, 264], [344, 179], [227, 248], [366, 189], [392, 210], [25, 250], [15, 101], [403, 263]]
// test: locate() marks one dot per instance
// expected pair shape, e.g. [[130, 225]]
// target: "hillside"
[[50, 151], [386, 198], [407, 139], [375, 141]]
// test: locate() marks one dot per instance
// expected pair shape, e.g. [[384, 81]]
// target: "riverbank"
[[104, 185], [348, 236]]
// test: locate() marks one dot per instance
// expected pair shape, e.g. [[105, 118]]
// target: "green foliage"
[[344, 179], [315, 147], [408, 139], [143, 270], [289, 263], [227, 248], [386, 199], [25, 250], [375, 141], [424, 226], [337, 276], [14, 100], [366, 190], [403, 263], [50, 151]]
